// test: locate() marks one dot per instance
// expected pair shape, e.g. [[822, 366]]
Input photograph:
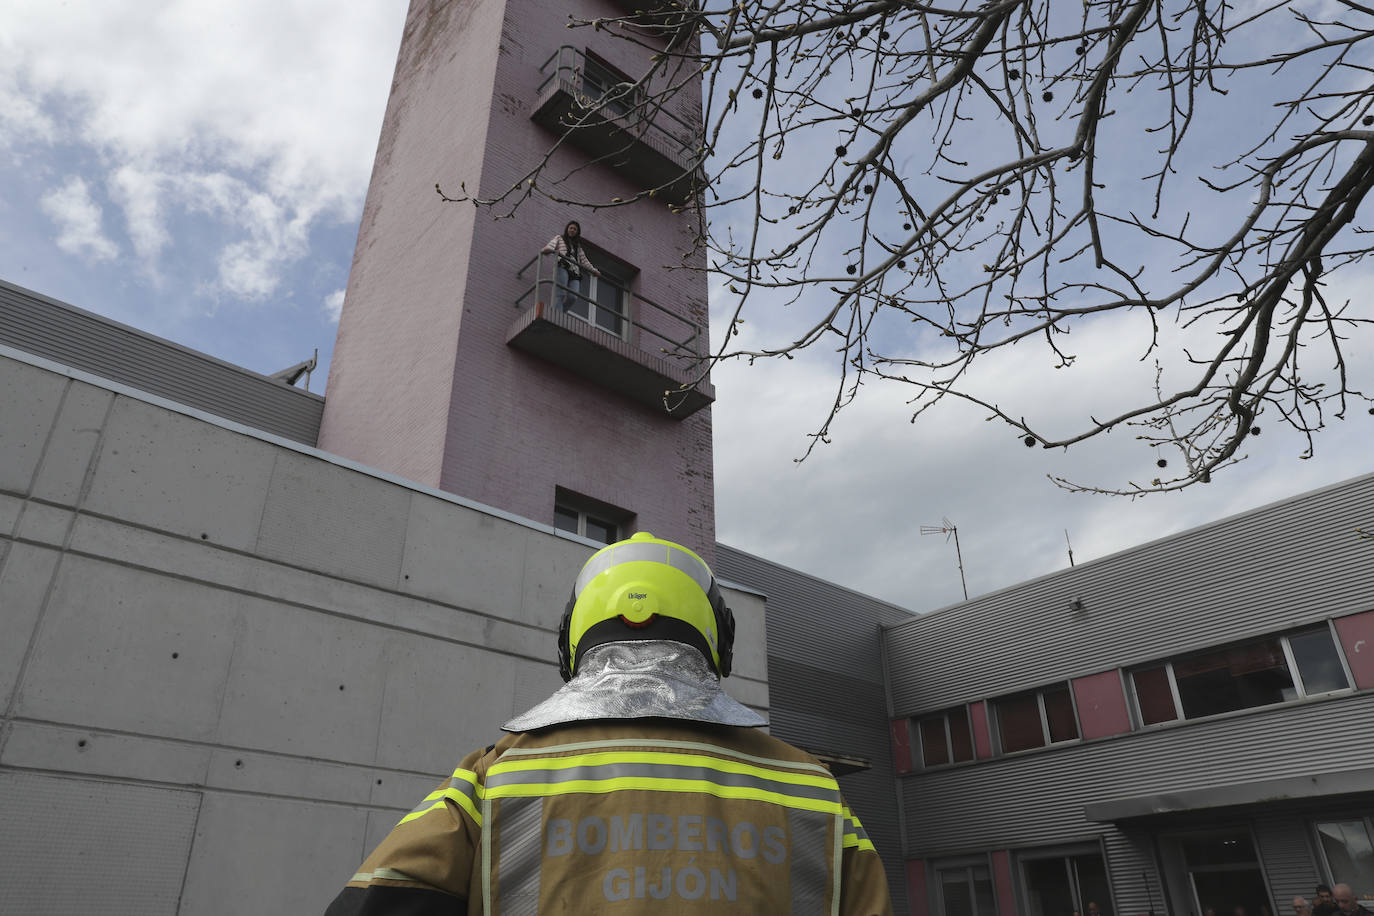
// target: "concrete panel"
[[130, 650], [398, 793], [24, 576], [271, 774], [463, 557], [44, 524], [551, 567], [29, 400], [74, 438], [10, 507], [266, 855], [78, 846], [536, 682], [442, 702], [335, 520], [181, 475], [751, 640], [194, 560], [379, 824], [76, 750], [306, 683]]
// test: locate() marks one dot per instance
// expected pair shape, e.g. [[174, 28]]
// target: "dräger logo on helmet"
[[637, 595]]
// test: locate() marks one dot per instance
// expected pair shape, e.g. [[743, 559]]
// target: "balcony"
[[602, 114], [653, 359]]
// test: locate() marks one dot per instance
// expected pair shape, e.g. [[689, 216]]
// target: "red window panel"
[[1357, 639]]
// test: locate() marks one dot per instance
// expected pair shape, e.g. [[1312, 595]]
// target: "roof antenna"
[[1066, 541], [947, 528], [292, 375]]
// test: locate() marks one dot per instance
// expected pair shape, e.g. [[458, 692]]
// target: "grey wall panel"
[[74, 337], [1276, 567], [80, 846], [1038, 798], [1132, 874], [826, 685], [1289, 860]]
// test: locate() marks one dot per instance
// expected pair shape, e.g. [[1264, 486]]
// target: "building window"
[[590, 518], [1066, 881], [965, 889], [606, 303], [600, 79], [1035, 719], [945, 737], [1348, 852], [1256, 673]]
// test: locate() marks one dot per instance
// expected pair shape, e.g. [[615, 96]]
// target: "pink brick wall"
[[423, 383]]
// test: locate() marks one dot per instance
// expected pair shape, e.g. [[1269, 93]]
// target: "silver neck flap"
[[635, 680]]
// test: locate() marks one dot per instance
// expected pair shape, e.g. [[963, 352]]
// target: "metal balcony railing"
[[652, 361], [611, 119]]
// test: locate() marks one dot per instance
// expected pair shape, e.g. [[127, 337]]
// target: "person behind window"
[[573, 266]]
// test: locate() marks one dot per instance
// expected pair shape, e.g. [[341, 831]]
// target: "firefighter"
[[640, 786]]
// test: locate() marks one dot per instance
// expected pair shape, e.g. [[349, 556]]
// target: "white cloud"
[[333, 305], [78, 219], [198, 92]]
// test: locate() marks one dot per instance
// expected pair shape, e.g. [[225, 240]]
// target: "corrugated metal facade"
[[73, 337], [1276, 567], [825, 685], [1263, 572]]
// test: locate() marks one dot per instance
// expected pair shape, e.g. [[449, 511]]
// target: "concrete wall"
[[422, 382], [230, 663]]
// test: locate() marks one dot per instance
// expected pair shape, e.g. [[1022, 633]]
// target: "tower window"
[[590, 518]]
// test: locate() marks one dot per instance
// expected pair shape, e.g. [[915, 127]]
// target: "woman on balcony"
[[571, 289]]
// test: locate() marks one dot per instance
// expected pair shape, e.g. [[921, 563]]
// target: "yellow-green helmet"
[[646, 588]]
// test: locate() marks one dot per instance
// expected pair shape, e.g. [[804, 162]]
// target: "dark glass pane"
[[1059, 714], [1047, 887], [955, 892], [934, 748], [1093, 892], [1153, 696], [1240, 677], [1318, 662], [1349, 853], [564, 519], [1230, 848], [602, 531], [960, 735], [610, 307], [1018, 722], [983, 902]]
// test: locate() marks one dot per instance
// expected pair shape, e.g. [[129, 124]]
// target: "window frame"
[[1301, 693], [1064, 854], [919, 740], [995, 715], [1314, 824], [584, 508], [967, 864]]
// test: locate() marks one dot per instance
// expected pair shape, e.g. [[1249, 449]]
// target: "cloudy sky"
[[197, 169]]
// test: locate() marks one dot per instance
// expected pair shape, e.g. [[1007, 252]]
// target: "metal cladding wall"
[[826, 685], [73, 337], [1280, 566], [230, 664], [1283, 566]]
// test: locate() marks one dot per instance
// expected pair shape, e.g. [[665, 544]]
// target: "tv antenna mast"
[[948, 529]]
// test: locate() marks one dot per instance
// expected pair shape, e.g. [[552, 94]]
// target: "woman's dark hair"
[[573, 242]]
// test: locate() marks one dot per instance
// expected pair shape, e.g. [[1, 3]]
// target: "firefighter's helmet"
[[646, 588]]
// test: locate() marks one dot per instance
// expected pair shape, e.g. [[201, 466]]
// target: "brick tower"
[[459, 362]]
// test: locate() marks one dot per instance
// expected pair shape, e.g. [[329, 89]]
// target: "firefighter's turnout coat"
[[652, 815]]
